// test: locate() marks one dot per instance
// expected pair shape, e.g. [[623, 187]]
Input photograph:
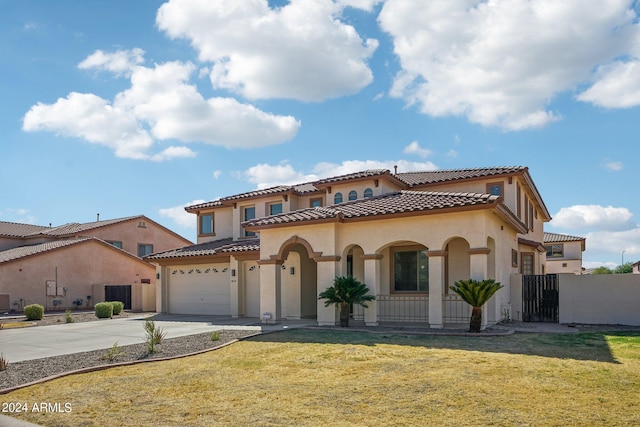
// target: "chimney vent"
[[98, 217]]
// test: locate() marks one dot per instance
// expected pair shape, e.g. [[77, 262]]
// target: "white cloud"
[[120, 62], [95, 120], [217, 174], [617, 86], [415, 148], [180, 216], [160, 105], [614, 242], [265, 175], [452, 153], [614, 166], [511, 58], [299, 51], [606, 218]]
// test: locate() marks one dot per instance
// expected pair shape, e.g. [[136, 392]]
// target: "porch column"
[[236, 288], [479, 259], [436, 286], [270, 290], [162, 289], [328, 268], [372, 280]]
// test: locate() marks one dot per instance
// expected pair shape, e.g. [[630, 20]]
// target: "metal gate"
[[540, 299], [120, 293]]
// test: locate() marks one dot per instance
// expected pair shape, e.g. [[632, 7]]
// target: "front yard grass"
[[343, 378]]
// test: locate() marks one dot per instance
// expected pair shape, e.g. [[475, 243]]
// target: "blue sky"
[[125, 108]]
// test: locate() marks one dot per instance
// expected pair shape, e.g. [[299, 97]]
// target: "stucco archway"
[[298, 277]]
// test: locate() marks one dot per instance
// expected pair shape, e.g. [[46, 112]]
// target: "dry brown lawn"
[[343, 378]]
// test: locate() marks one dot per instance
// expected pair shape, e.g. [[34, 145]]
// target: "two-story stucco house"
[[564, 253], [408, 236], [76, 265]]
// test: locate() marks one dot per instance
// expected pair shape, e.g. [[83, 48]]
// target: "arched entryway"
[[298, 274]]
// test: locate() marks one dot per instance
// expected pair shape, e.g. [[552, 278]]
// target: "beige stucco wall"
[[600, 299], [78, 268], [130, 233]]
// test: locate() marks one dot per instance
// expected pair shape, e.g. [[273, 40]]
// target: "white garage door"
[[200, 289], [252, 289]]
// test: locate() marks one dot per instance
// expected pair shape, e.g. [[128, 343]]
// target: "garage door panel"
[[202, 289]]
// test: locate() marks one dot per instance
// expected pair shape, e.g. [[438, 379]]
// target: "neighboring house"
[[408, 236], [564, 253], [77, 265], [636, 268]]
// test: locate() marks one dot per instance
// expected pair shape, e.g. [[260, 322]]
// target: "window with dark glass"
[[206, 224], [316, 203], [249, 213], [410, 271], [554, 251], [353, 195], [368, 193], [115, 243], [144, 249], [275, 208], [337, 198], [494, 188]]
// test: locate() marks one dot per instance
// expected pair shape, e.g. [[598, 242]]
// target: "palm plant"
[[344, 292], [476, 293]]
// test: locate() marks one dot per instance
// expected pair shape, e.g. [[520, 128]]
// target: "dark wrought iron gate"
[[540, 299]]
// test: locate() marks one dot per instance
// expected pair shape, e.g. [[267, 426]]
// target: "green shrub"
[[68, 318], [215, 336], [3, 363], [104, 310], [118, 306], [34, 312]]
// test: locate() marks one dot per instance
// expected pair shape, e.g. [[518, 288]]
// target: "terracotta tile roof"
[[210, 248], [25, 251], [557, 238], [14, 229], [75, 228], [356, 175], [386, 204], [437, 176]]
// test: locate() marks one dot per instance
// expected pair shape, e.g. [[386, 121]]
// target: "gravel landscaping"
[[32, 370]]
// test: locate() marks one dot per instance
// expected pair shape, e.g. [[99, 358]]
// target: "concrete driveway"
[[21, 344]]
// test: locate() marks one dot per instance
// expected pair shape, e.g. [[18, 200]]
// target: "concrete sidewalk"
[[21, 344]]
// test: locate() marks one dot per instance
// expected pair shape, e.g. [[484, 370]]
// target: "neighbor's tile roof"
[[210, 248], [387, 204], [25, 251], [437, 176], [555, 237], [75, 228], [14, 229]]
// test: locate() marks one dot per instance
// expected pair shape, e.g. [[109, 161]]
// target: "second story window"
[[368, 193], [337, 198], [144, 249], [117, 244], [555, 251], [206, 224], [249, 213], [495, 188], [275, 208], [316, 203], [353, 194]]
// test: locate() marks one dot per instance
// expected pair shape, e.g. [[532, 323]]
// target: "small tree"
[[344, 292], [476, 293]]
